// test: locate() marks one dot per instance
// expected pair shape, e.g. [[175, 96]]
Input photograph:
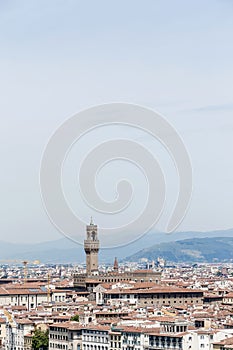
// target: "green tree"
[[40, 340], [75, 318]]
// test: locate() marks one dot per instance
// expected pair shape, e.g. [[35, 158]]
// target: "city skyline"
[[116, 181]]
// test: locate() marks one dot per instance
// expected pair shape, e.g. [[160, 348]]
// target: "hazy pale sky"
[[58, 57]]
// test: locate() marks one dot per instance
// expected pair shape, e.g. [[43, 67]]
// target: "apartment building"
[[134, 338], [65, 336], [96, 338], [72, 336], [115, 339], [16, 330], [166, 342]]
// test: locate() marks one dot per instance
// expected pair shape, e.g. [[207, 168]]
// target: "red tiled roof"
[[158, 290]]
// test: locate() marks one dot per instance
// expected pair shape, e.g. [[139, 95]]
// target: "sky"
[[60, 57]]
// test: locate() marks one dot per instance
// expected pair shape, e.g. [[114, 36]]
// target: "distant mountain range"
[[215, 249], [178, 246]]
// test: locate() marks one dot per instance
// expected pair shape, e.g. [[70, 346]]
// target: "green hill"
[[216, 249]]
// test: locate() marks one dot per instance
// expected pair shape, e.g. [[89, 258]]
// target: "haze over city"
[[173, 57]]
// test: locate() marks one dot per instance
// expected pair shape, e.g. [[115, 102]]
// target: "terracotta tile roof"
[[228, 341], [97, 327], [158, 290], [106, 285], [24, 285], [12, 290], [229, 295], [24, 321], [142, 285], [18, 308], [134, 329], [68, 325]]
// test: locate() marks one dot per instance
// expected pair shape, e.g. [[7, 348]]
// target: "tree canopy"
[[75, 318], [40, 340]]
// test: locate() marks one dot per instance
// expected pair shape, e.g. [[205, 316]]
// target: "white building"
[[2, 332], [15, 332], [65, 335], [29, 297], [134, 338], [72, 336], [171, 336], [96, 338]]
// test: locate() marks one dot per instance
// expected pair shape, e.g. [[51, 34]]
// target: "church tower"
[[91, 247], [115, 266]]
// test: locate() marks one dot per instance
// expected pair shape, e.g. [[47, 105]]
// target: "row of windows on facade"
[[57, 336], [115, 344], [58, 329], [58, 346], [167, 341], [85, 338], [91, 331], [59, 298], [131, 342], [65, 347], [116, 337], [18, 343], [95, 339], [174, 301], [156, 341], [169, 302], [94, 347], [85, 331], [21, 298], [115, 280], [25, 298], [149, 296]]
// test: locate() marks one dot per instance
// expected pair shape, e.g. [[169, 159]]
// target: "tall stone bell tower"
[[91, 247]]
